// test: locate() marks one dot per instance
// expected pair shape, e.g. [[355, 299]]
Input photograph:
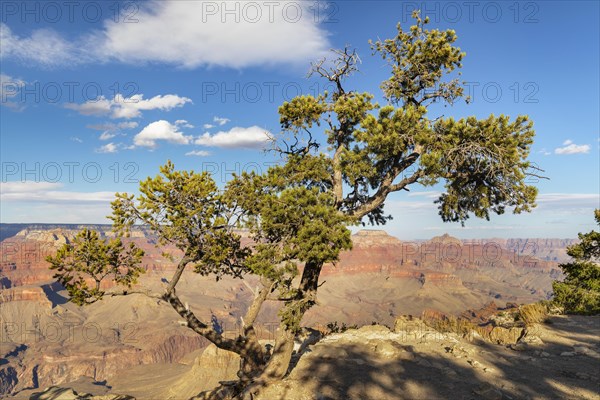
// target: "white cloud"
[[208, 126], [44, 47], [569, 199], [131, 107], [109, 126], [201, 33], [199, 153], [107, 135], [221, 121], [398, 207], [183, 123], [27, 187], [111, 130], [426, 194], [571, 148], [99, 106], [252, 137], [107, 148], [46, 192], [128, 125], [76, 139], [160, 130], [10, 87], [128, 107], [186, 34]]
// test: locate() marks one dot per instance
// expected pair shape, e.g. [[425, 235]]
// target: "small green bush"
[[579, 292], [333, 327]]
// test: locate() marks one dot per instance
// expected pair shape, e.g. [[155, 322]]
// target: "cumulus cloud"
[[128, 107], [131, 107], [107, 148], [208, 126], [99, 106], [221, 121], [199, 33], [160, 130], [107, 135], [186, 34], [571, 148], [183, 123], [199, 153], [252, 137]]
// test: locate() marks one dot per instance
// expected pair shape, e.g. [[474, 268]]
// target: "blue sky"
[[96, 95]]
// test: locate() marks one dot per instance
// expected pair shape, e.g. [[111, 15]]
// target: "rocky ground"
[[558, 359]]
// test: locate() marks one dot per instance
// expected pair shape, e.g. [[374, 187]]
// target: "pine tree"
[[298, 212], [85, 262], [579, 292]]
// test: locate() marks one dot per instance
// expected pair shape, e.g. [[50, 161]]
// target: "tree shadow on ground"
[[585, 329], [52, 293], [356, 372]]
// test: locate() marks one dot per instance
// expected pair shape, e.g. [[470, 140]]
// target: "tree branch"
[[256, 305], [199, 327], [379, 197], [338, 190], [178, 272], [387, 185]]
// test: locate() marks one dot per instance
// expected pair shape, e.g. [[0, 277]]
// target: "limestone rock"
[[211, 367], [502, 335], [518, 346], [530, 338], [587, 351]]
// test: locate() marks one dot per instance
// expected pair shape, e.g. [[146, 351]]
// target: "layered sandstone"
[[379, 279]]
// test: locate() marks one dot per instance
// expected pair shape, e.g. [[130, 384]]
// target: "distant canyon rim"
[[47, 340]]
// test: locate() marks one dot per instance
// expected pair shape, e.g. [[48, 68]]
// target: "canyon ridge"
[[48, 341]]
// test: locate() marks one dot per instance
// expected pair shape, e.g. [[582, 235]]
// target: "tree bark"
[[246, 346], [278, 365]]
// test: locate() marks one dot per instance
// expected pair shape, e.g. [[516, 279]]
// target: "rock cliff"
[[379, 279]]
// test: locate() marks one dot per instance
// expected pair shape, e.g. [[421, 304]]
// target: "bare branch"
[[343, 66], [199, 327]]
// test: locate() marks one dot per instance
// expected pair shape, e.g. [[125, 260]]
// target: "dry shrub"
[[450, 323], [534, 313]]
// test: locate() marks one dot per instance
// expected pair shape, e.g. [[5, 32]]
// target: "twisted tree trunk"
[[278, 365]]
